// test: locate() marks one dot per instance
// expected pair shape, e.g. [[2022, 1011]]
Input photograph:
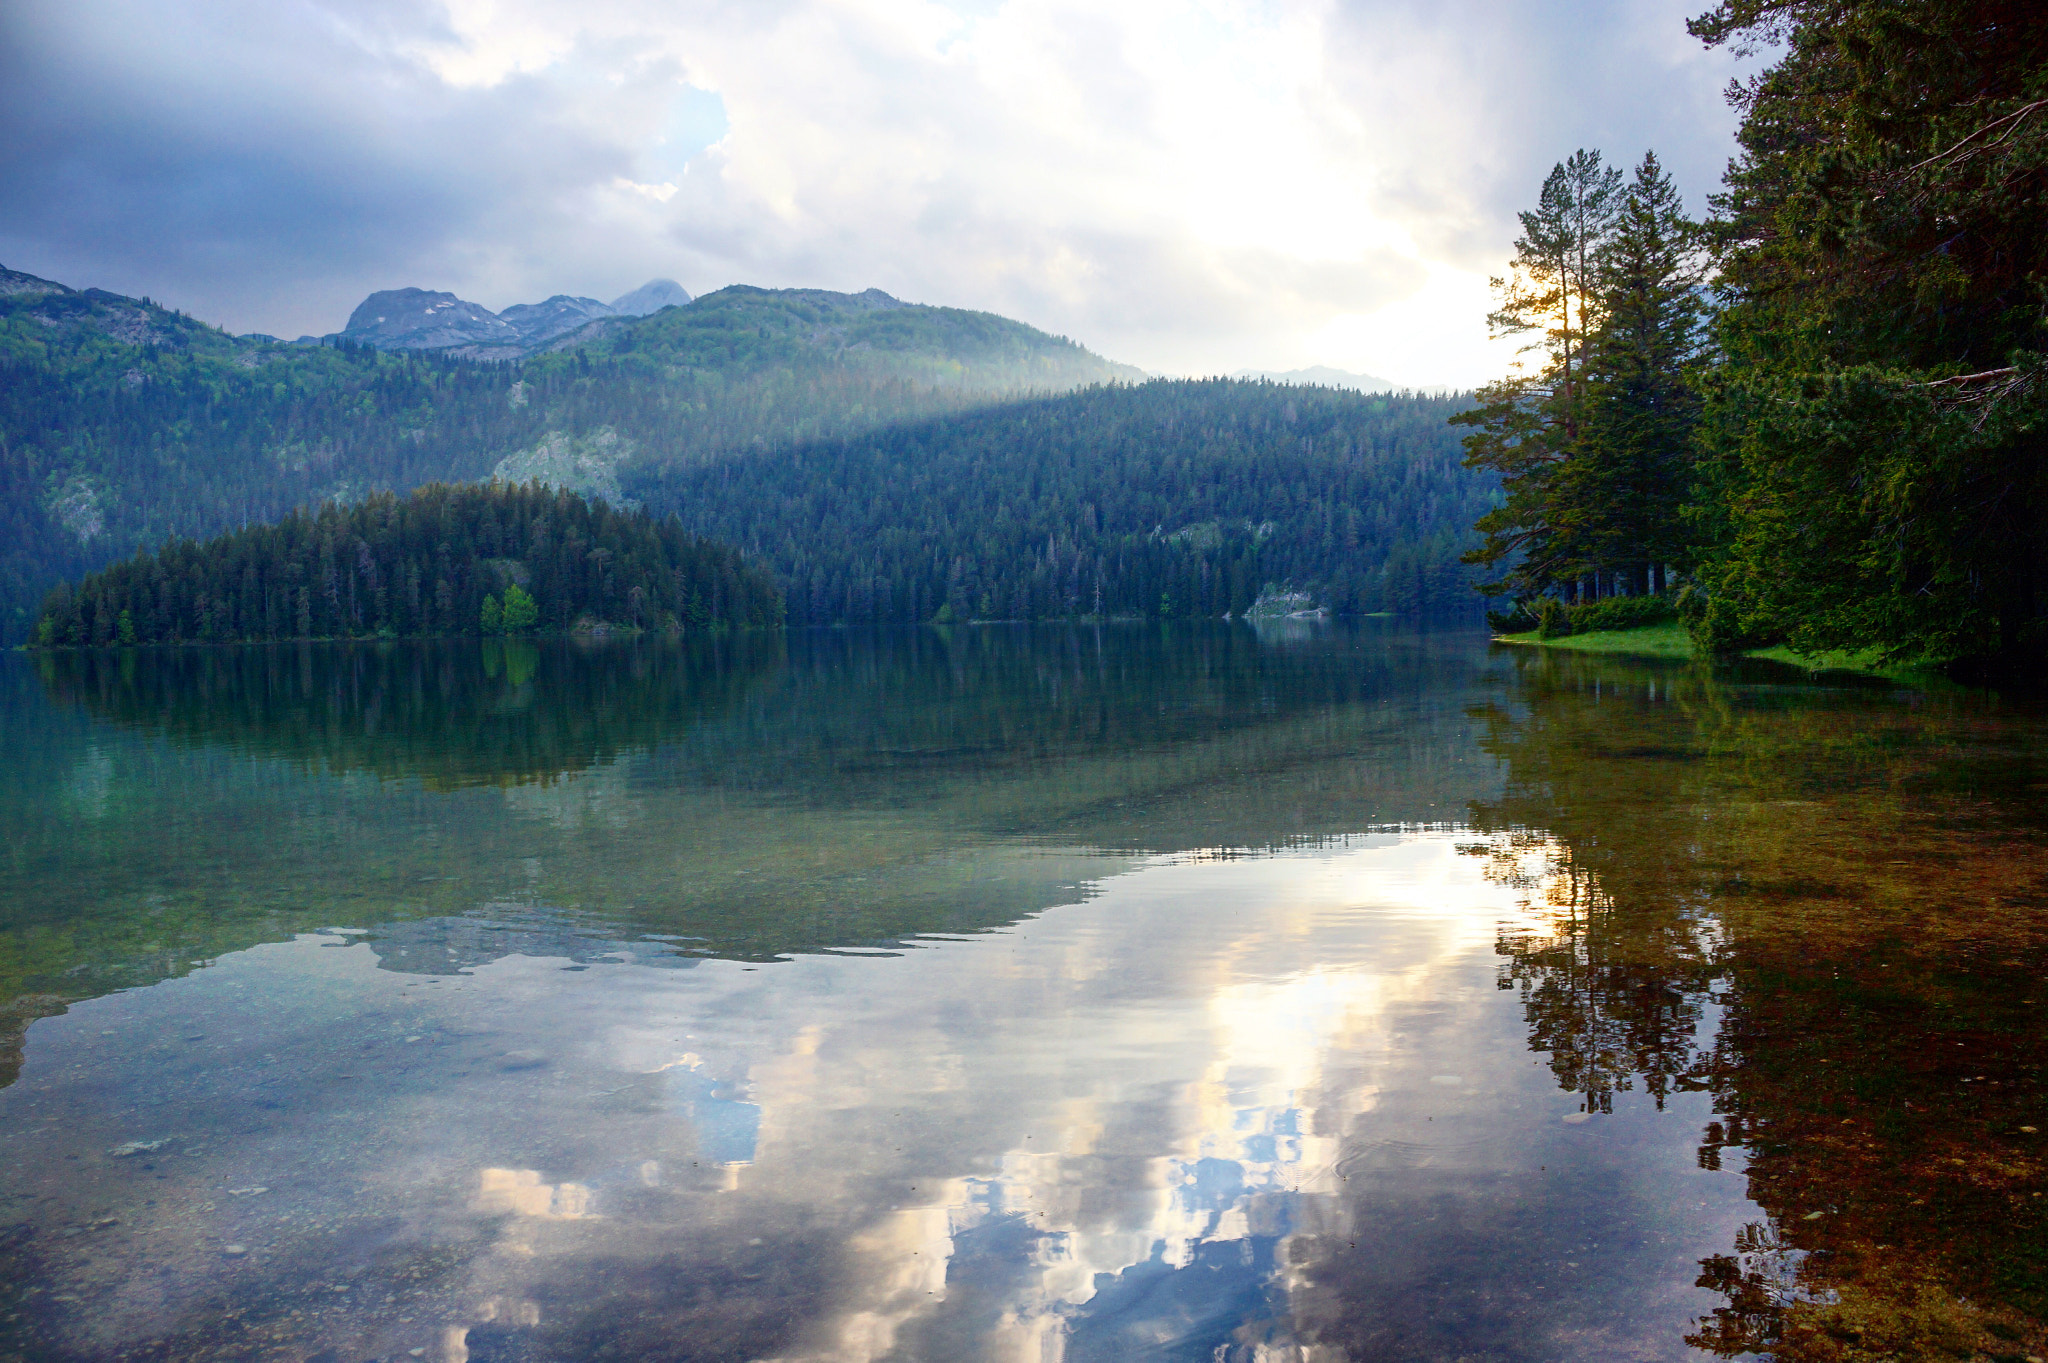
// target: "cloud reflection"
[[1181, 1117]]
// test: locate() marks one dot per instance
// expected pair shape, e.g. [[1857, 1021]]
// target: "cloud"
[[1191, 185]]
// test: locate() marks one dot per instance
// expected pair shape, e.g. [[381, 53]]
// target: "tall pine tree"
[[1594, 448], [1631, 468], [1525, 425]]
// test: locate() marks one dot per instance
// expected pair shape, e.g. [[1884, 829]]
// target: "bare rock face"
[[537, 322], [417, 319], [14, 282], [421, 319], [650, 297]]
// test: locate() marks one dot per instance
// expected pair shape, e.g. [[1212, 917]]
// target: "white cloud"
[[1190, 185]]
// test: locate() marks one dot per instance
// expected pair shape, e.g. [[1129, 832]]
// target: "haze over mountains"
[[124, 424], [1322, 376]]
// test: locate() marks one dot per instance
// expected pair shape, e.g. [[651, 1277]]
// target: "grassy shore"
[[1669, 640]]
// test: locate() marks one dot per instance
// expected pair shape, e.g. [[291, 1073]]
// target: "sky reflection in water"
[[1046, 995]]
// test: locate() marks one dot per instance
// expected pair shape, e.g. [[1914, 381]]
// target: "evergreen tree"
[[1188, 499], [1875, 448], [1631, 470], [1525, 426]]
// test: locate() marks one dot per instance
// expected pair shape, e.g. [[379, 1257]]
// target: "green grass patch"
[[1669, 640]]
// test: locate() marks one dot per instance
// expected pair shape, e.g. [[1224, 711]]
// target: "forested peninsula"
[[446, 560], [1816, 417]]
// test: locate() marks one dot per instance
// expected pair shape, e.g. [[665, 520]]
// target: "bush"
[[1622, 612], [1713, 625]]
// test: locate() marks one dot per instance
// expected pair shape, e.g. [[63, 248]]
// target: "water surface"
[[1184, 993]]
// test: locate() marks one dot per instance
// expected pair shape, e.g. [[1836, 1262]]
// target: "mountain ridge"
[[124, 424], [425, 319]]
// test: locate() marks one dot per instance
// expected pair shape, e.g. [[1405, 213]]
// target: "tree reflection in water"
[[1824, 905]]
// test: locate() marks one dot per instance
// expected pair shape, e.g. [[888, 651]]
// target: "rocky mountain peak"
[[557, 316], [420, 319], [650, 297]]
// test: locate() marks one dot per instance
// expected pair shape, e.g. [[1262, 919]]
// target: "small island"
[[446, 560]]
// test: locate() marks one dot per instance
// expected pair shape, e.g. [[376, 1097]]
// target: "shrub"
[[1622, 612]]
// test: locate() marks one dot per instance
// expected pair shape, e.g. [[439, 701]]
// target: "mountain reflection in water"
[[1006, 993]]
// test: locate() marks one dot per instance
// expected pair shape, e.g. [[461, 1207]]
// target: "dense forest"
[[1162, 499], [495, 559], [124, 425], [1820, 412]]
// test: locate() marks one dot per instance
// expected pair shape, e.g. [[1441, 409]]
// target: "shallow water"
[[1318, 993]]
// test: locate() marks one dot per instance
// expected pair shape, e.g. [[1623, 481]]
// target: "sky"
[[1191, 186]]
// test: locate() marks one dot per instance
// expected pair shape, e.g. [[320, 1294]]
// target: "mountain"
[[1321, 376], [652, 296], [123, 424], [559, 315], [855, 442], [419, 319], [416, 319]]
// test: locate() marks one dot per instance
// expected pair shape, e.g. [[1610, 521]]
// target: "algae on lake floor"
[[1859, 890]]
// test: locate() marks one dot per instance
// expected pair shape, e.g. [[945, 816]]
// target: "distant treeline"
[[445, 560], [1163, 499]]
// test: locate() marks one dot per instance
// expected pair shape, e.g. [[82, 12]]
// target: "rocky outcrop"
[[14, 282], [419, 319], [558, 316], [587, 465]]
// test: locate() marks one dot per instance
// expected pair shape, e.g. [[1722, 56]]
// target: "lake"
[[1188, 991]]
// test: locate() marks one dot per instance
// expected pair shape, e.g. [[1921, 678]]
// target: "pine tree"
[[1630, 474], [1526, 425]]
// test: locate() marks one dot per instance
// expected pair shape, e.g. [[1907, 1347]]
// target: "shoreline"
[[1670, 641]]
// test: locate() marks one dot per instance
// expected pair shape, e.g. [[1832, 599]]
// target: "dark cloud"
[[261, 167]]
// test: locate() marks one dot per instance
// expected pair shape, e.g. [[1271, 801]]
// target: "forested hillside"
[[496, 559], [124, 425], [1164, 499]]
